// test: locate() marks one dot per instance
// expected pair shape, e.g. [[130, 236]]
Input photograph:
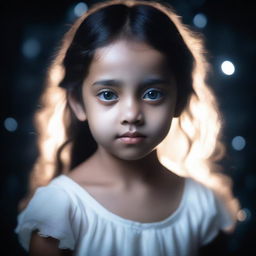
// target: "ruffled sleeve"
[[219, 218], [50, 212]]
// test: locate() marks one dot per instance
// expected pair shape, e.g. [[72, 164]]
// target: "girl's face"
[[129, 99]]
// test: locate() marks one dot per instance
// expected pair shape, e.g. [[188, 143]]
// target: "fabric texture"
[[66, 211]]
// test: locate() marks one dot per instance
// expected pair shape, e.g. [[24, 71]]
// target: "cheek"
[[161, 120], [162, 124], [101, 120], [99, 128]]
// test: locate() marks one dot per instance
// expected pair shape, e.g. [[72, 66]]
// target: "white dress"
[[66, 211]]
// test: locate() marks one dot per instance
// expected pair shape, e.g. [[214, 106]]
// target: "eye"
[[107, 96], [153, 95]]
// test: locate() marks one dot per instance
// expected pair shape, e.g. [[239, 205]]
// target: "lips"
[[131, 137]]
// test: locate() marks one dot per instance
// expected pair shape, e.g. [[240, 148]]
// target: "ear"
[[77, 108]]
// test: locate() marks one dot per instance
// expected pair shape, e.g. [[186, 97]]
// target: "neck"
[[127, 172]]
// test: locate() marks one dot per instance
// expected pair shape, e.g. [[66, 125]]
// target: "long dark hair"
[[193, 146]]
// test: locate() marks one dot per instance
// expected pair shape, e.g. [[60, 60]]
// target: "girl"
[[126, 70]]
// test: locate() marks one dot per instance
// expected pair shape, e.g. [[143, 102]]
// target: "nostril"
[[131, 113], [138, 120]]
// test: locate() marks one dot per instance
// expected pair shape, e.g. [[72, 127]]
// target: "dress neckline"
[[105, 213]]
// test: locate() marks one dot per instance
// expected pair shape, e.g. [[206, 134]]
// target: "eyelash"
[[160, 95], [106, 91]]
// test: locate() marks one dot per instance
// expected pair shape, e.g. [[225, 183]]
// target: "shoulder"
[[50, 211], [206, 198], [199, 195], [55, 194], [49, 204], [210, 211]]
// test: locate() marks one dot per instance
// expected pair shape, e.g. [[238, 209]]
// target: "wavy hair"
[[193, 146]]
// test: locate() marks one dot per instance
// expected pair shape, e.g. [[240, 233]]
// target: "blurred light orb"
[[10, 124], [31, 48], [228, 68], [80, 9], [244, 214], [200, 20], [238, 143]]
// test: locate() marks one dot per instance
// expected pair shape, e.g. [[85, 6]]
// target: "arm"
[[41, 246]]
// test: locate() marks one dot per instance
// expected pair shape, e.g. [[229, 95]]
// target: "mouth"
[[131, 137]]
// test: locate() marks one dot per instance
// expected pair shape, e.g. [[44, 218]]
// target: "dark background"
[[29, 35]]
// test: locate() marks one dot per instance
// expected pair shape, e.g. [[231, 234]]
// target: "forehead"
[[128, 56]]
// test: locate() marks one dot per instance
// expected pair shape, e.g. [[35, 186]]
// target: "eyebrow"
[[117, 83], [108, 82]]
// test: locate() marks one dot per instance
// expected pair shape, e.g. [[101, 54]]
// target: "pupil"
[[107, 95], [152, 94]]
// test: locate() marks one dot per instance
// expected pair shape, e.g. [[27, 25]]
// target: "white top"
[[66, 211]]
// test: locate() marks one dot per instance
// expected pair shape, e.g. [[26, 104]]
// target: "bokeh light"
[[10, 124], [31, 48], [238, 143], [80, 9], [244, 215], [200, 20], [228, 68]]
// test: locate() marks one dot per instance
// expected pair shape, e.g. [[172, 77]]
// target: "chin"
[[132, 156]]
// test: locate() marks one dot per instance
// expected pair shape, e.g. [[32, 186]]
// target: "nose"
[[132, 113]]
